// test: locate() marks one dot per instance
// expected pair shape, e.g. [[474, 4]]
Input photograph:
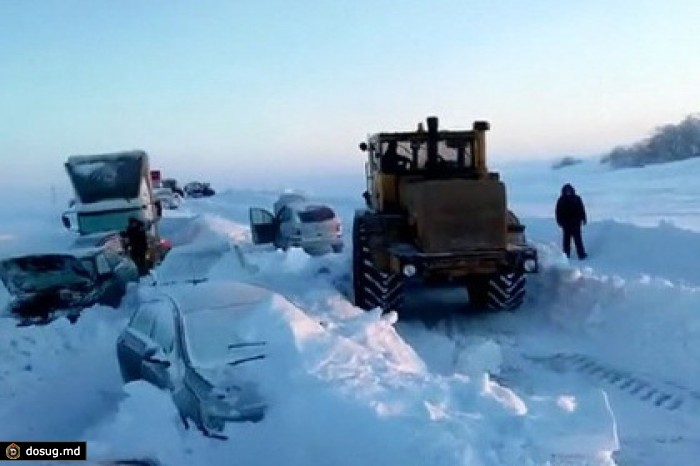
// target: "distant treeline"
[[667, 144]]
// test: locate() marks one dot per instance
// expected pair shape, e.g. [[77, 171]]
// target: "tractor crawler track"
[[659, 394]]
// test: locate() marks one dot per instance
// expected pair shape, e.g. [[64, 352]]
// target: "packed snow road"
[[625, 325]]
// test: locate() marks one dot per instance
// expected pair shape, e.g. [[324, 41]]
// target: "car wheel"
[[281, 244], [127, 375]]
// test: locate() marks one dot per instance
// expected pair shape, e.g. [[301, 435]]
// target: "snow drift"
[[599, 360]]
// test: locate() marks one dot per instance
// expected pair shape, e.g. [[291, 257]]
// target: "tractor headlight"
[[530, 265], [409, 270]]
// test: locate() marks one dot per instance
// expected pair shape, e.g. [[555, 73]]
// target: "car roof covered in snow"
[[286, 199], [217, 294], [308, 205]]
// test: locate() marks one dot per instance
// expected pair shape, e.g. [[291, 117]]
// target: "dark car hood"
[[43, 272]]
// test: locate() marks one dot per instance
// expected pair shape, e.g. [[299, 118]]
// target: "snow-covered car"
[[173, 185], [168, 198], [186, 340], [51, 285], [198, 189], [297, 222]]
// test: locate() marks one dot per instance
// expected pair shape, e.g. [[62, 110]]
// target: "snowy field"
[[599, 367]]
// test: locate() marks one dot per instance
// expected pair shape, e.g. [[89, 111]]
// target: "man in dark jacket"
[[137, 243], [571, 215]]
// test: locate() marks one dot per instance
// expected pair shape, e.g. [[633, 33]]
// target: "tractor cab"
[[422, 155]]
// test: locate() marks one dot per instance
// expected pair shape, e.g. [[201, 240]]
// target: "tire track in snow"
[[669, 396]]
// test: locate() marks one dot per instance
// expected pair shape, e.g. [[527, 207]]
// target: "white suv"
[[168, 198], [313, 226]]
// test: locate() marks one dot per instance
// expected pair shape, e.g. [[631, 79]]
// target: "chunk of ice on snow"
[[579, 424]]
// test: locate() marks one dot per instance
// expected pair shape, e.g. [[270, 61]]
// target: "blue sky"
[[247, 91]]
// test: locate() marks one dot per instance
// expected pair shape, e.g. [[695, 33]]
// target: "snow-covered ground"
[[599, 366]]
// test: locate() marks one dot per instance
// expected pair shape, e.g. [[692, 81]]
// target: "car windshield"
[[209, 335], [36, 273], [316, 214]]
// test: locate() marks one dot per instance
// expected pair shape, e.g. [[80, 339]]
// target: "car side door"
[[286, 223], [161, 359], [263, 226], [134, 341]]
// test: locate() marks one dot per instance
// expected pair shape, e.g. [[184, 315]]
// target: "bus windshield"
[[107, 178]]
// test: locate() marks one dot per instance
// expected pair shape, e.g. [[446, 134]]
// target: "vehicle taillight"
[[165, 244]]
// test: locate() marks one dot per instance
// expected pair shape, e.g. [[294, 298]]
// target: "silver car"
[[168, 198], [313, 226], [186, 340]]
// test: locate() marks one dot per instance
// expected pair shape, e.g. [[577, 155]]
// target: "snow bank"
[[350, 387], [661, 251], [648, 196], [353, 397], [56, 380]]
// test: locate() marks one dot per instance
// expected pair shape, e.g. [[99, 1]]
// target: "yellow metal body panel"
[[456, 215]]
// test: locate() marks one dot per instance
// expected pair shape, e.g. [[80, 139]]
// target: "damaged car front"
[[221, 375], [44, 286], [227, 394]]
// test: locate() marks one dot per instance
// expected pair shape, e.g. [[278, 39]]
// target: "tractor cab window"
[[375, 156], [394, 157], [413, 155]]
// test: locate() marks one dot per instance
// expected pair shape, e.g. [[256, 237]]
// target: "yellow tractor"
[[436, 215]]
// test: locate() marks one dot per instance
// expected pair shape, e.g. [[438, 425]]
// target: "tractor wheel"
[[372, 287], [502, 292]]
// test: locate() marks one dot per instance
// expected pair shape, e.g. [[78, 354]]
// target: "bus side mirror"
[[66, 221], [159, 208], [363, 146]]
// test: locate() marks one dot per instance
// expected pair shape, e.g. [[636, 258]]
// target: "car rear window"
[[316, 214]]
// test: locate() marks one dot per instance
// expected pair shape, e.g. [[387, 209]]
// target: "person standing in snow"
[[571, 216], [137, 243]]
